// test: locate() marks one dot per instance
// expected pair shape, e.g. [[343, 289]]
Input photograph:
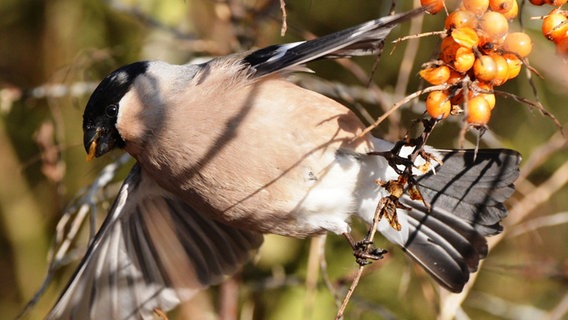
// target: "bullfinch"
[[229, 150]]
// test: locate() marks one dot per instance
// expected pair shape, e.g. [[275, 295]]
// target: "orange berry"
[[438, 105], [514, 65], [537, 2], [493, 26], [501, 6], [555, 26], [436, 75], [455, 77], [562, 47], [478, 7], [465, 37], [432, 6], [478, 111], [485, 68], [448, 50], [464, 59], [519, 43], [513, 12], [556, 3], [502, 70], [489, 97], [461, 18]]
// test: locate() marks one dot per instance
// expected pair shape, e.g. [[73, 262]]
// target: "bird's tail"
[[465, 196], [364, 39]]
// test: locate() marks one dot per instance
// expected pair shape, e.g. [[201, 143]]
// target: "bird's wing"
[[152, 251], [364, 39], [466, 196]]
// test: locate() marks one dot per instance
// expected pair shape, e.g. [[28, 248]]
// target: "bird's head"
[[100, 134]]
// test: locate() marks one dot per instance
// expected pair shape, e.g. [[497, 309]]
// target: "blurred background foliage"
[[53, 53]]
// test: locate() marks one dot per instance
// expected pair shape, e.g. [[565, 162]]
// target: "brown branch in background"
[[539, 155], [315, 256], [229, 299], [537, 223], [536, 105], [363, 77], [284, 18], [404, 72]]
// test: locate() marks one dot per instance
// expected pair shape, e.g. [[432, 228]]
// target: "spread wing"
[[152, 251], [362, 40]]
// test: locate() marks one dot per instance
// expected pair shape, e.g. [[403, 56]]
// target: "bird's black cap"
[[99, 119]]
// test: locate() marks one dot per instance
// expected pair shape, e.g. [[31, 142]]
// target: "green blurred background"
[[53, 52]]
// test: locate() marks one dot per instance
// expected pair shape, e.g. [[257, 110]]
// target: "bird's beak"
[[91, 144]]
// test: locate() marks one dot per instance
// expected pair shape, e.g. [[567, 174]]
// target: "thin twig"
[[540, 222], [369, 239], [536, 105], [284, 17], [420, 35], [397, 105], [350, 292]]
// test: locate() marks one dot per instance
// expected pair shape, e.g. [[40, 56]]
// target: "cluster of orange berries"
[[477, 54], [555, 25]]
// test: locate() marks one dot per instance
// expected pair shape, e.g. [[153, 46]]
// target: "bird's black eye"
[[111, 111]]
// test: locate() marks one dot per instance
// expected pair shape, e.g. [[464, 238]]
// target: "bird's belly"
[[299, 200]]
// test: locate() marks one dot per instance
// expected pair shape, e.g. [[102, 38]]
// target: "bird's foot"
[[364, 252]]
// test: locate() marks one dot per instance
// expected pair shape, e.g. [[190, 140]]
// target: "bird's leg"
[[364, 250]]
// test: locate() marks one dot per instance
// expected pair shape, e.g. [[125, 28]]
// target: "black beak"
[[97, 141]]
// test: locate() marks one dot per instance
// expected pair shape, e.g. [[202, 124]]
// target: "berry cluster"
[[555, 26], [477, 54]]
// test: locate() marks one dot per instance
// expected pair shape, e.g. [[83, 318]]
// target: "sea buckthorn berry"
[[432, 6], [493, 26], [512, 14], [465, 37], [436, 75], [455, 77], [438, 105], [502, 70], [460, 19], [478, 111], [478, 7], [555, 26], [556, 3], [519, 43], [448, 50], [562, 47], [537, 2], [485, 68], [464, 59], [514, 65], [501, 5], [488, 96]]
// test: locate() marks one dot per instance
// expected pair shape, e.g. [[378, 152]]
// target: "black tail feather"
[[466, 197]]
